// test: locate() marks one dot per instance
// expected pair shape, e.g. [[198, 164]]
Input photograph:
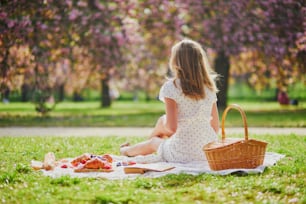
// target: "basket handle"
[[242, 113]]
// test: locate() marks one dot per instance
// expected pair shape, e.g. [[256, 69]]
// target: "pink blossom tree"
[[157, 24], [52, 29], [273, 28]]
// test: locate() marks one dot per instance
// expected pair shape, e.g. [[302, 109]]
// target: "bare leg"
[[158, 130], [155, 132], [143, 148]]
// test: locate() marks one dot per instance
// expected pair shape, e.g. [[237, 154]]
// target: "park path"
[[126, 131]]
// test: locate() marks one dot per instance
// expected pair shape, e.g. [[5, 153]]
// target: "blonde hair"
[[190, 65]]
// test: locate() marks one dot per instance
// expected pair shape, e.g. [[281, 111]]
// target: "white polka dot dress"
[[193, 130]]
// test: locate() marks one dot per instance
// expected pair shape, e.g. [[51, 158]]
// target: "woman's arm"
[[215, 118], [167, 124]]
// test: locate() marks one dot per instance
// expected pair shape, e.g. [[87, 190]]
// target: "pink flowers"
[[74, 14]]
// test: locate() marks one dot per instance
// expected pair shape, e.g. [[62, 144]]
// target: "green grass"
[[282, 183], [143, 114], [83, 114], [242, 90]]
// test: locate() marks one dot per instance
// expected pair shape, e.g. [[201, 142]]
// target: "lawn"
[[283, 183], [143, 114]]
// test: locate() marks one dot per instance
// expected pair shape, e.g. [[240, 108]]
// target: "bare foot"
[[123, 150], [126, 144]]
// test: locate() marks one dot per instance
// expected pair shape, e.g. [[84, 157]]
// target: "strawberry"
[[131, 163], [107, 166], [64, 166]]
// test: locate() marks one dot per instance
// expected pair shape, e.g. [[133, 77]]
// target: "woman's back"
[[191, 120], [194, 129]]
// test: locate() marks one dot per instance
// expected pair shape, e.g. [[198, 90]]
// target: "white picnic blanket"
[[193, 168]]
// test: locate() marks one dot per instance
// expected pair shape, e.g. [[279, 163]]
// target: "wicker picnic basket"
[[233, 153]]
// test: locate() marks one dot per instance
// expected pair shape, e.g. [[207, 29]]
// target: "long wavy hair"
[[190, 65]]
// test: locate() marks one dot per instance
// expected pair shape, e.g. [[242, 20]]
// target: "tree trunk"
[[77, 96], [4, 71], [105, 96], [222, 66], [25, 92], [148, 97], [61, 92]]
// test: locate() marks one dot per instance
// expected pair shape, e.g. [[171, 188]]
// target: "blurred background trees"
[[53, 49], [261, 39]]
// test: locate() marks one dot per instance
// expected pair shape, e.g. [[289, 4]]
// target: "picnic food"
[[81, 159], [107, 157], [86, 157], [48, 164], [49, 161], [97, 163], [84, 163], [37, 165], [89, 162], [64, 166], [124, 163]]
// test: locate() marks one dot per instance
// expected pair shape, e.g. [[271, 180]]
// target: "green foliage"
[[247, 92], [8, 178], [282, 183], [22, 168], [103, 199], [40, 99], [143, 114], [44, 45]]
